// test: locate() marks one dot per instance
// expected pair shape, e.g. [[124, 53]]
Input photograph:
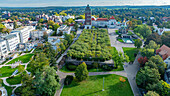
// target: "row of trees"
[[91, 43]]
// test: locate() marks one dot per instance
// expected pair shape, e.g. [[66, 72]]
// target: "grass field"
[[6, 71], [15, 80], [130, 52], [25, 59], [94, 84]]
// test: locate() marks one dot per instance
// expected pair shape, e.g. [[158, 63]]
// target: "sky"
[[44, 3]]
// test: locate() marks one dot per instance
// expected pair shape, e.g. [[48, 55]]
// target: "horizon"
[[81, 3]]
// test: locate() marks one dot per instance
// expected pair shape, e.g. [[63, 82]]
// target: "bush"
[[107, 67], [68, 80], [71, 67]]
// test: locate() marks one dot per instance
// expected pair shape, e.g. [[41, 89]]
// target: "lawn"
[[93, 87], [7, 71], [15, 80], [130, 52], [25, 59], [120, 40], [9, 89]]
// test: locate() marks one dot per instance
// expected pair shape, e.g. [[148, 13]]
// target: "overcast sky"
[[43, 3]]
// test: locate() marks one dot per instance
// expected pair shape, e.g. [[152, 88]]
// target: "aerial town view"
[[84, 47]]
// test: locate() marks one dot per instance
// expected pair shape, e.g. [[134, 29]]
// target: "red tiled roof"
[[164, 51], [101, 19], [92, 19], [112, 17]]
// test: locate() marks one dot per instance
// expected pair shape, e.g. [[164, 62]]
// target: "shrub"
[[81, 72], [107, 67], [71, 67], [68, 80]]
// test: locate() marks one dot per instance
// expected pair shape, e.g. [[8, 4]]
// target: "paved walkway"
[[131, 71]]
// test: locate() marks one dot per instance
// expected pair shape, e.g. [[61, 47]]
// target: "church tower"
[[88, 23]]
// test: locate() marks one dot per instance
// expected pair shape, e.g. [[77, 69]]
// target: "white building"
[[23, 32], [104, 22], [9, 26], [68, 17], [160, 31], [38, 34], [64, 29], [54, 40], [3, 49], [12, 41]]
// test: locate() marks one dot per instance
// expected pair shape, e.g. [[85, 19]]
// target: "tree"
[[151, 64], [21, 68], [41, 21], [46, 81], [161, 87], [147, 76], [81, 72], [155, 37], [63, 48], [151, 93], [138, 43], [147, 52], [142, 61], [27, 88], [15, 25], [160, 64], [55, 27], [39, 62], [50, 23], [45, 36], [152, 45]]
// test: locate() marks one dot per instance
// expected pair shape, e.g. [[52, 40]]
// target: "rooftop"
[[10, 36]]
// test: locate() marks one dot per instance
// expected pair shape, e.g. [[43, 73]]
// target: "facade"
[[88, 21], [3, 49], [12, 40], [104, 22], [23, 32], [64, 29], [38, 34], [54, 40]]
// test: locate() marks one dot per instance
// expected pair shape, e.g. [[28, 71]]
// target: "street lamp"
[[103, 84]]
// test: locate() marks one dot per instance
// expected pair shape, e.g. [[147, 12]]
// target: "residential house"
[[64, 29]]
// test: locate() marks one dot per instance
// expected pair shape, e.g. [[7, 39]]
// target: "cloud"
[[42, 3]]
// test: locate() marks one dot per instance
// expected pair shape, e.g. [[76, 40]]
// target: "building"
[[54, 40], [88, 21], [104, 22], [164, 52], [12, 40], [23, 32], [166, 19], [38, 34], [6, 14], [123, 28], [160, 31], [3, 49], [64, 29]]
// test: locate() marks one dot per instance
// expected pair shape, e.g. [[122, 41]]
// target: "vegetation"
[[151, 93], [130, 52], [14, 80], [93, 86], [138, 43], [6, 71], [9, 89], [120, 40], [24, 59], [81, 72], [92, 44]]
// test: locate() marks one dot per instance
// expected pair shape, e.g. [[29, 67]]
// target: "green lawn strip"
[[94, 84], [9, 89], [130, 52], [25, 59], [6, 71], [15, 80], [120, 40]]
